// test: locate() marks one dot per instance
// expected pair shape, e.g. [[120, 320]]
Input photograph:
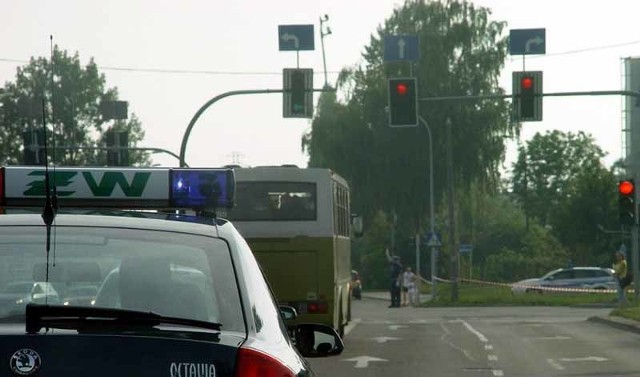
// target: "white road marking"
[[447, 333], [492, 357], [363, 361], [497, 373], [588, 358], [354, 322], [555, 364], [488, 347], [475, 332], [384, 339], [557, 337], [395, 327]]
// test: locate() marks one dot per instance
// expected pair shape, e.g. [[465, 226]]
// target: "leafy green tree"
[[71, 108], [560, 180], [462, 53], [547, 166]]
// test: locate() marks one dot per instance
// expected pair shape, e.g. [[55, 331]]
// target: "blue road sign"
[[401, 48], [295, 37], [527, 41], [465, 248], [432, 240]]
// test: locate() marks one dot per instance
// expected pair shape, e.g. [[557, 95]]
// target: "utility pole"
[[452, 222]]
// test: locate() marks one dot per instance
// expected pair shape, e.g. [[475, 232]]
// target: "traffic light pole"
[[196, 116], [627, 93]]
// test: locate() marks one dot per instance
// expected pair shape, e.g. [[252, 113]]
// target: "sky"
[[167, 58]]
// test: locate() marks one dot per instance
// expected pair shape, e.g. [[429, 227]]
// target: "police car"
[[171, 294]]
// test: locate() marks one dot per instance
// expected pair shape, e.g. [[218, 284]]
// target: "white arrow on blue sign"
[[401, 48], [295, 37], [527, 41]]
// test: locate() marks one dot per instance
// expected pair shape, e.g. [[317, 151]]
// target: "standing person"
[[620, 272], [408, 286], [395, 274]]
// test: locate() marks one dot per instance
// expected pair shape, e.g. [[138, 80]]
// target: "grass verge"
[[630, 312], [470, 294]]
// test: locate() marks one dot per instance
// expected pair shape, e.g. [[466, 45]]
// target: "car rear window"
[[173, 274]]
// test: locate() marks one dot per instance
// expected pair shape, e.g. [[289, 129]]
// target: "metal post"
[[635, 264], [417, 297], [322, 35], [634, 249], [187, 132], [432, 219], [452, 223]]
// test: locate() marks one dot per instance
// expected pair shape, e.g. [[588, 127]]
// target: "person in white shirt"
[[408, 287]]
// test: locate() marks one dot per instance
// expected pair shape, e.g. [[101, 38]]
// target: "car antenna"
[[50, 206]]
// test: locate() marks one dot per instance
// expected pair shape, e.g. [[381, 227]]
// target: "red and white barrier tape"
[[525, 287]]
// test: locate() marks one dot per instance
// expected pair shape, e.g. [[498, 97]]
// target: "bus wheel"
[[340, 322]]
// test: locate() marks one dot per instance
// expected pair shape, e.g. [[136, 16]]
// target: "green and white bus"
[[297, 221]]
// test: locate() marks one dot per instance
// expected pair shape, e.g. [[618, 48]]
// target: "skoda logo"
[[25, 362]]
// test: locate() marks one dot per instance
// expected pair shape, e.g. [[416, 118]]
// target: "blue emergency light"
[[202, 188]]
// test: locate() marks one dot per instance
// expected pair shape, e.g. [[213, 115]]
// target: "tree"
[[462, 54], [71, 99], [560, 180], [547, 165]]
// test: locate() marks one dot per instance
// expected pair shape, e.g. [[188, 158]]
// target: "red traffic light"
[[527, 82], [402, 89], [625, 187]]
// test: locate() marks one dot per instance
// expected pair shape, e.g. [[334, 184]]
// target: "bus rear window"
[[269, 201]]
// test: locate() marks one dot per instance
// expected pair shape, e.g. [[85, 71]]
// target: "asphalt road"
[[479, 342]]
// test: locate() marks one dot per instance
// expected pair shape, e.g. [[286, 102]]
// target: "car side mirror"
[[288, 312], [316, 340]]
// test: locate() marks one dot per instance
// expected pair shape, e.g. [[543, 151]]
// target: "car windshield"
[[172, 274]]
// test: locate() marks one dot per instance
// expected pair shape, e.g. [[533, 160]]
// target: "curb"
[[619, 323]]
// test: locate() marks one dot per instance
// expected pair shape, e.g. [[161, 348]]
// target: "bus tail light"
[[318, 307], [253, 363]]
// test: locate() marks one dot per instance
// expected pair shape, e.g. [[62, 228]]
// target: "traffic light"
[[33, 147], [298, 93], [627, 201], [117, 142], [403, 102], [527, 99]]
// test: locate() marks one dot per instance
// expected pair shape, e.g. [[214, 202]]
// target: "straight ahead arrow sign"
[[401, 44], [363, 361]]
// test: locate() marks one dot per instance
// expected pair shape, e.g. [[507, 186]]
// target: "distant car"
[[83, 295], [16, 295], [577, 277], [356, 285]]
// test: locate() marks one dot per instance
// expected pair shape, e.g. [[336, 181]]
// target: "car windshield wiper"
[[79, 317]]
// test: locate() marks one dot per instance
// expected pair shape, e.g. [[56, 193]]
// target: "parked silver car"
[[577, 277]]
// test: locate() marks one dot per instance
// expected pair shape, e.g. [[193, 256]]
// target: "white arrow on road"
[[384, 339], [588, 358], [535, 40], [290, 37], [363, 361], [395, 327], [401, 44]]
